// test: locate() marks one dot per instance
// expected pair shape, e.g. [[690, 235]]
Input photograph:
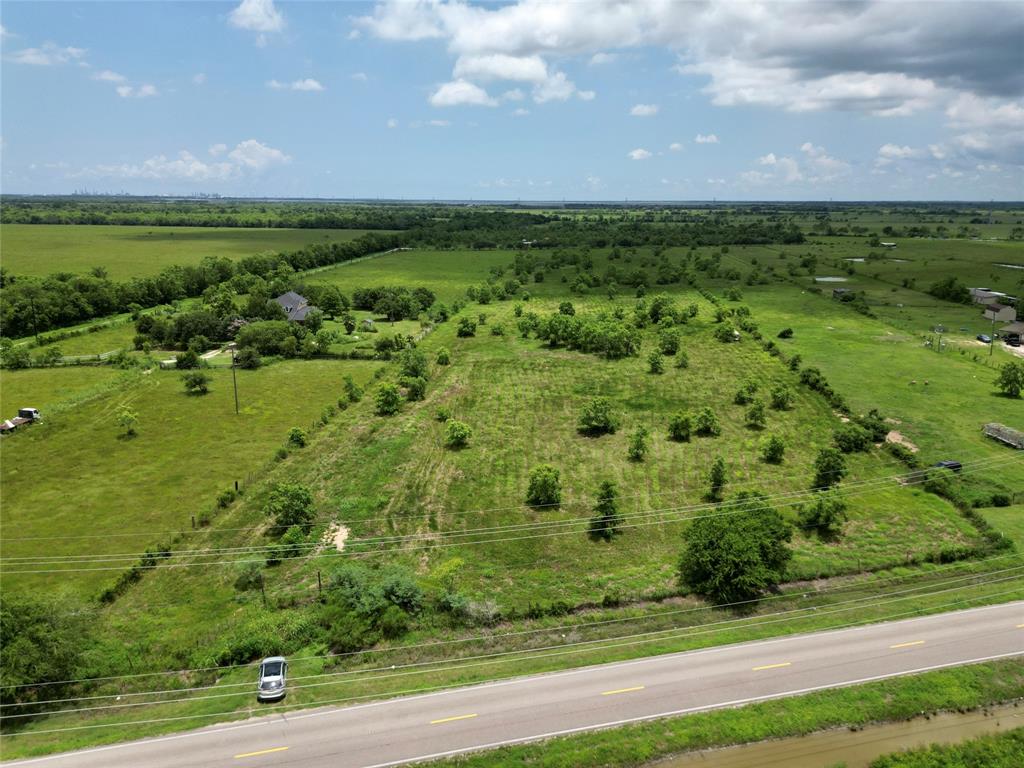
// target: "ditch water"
[[854, 749]]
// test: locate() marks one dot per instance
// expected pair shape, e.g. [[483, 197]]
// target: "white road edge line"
[[689, 710]]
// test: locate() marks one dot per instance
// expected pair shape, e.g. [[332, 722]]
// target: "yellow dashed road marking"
[[622, 690], [773, 666], [907, 645], [261, 752], [451, 719]]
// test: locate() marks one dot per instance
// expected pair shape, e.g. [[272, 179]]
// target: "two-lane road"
[[431, 725]]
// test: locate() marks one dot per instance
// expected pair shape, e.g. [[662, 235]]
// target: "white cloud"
[[257, 156], [48, 55], [257, 16], [354, 34], [359, 77], [4, 32], [675, 146], [439, 123], [500, 66], [307, 84], [199, 78], [392, 122], [586, 95], [216, 150], [639, 154], [556, 88], [644, 110], [108, 76], [460, 92], [709, 138], [603, 58], [513, 95], [136, 92], [520, 112]]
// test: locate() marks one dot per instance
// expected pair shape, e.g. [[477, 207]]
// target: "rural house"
[[295, 306], [1001, 313], [985, 295]]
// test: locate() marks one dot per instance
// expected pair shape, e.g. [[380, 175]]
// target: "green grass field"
[[126, 252]]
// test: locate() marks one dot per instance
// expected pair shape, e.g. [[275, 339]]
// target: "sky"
[[528, 100]]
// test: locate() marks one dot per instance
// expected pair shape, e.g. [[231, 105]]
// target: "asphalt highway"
[[523, 709]]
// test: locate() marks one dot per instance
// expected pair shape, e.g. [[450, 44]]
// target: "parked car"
[[273, 675], [1013, 341], [984, 338], [955, 466]]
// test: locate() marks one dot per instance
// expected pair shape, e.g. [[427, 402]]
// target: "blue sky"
[[529, 100]]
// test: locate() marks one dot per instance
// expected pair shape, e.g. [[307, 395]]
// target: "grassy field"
[[126, 252], [75, 475], [44, 388], [393, 476]]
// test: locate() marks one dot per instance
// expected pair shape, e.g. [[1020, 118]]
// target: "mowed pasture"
[[75, 485], [140, 251]]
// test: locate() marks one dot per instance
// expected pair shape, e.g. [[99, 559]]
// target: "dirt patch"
[[338, 535], [899, 439]]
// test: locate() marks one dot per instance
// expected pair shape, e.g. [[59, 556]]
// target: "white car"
[[273, 673]]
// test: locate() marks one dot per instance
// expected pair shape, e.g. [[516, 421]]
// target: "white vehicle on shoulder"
[[273, 674]]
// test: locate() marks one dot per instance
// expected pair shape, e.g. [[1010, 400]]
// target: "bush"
[[1011, 378], [829, 468], [443, 357], [756, 416], [196, 382], [415, 388], [716, 480], [545, 487], [248, 358], [656, 362], [707, 424], [498, 329], [736, 557], [773, 449], [782, 397], [786, 333], [388, 399], [187, 360], [598, 418], [679, 427], [352, 390], [224, 498], [250, 576], [851, 438], [745, 394], [824, 516], [466, 328], [682, 359], [443, 414], [457, 434], [668, 341], [290, 504], [638, 446], [606, 520], [297, 437], [413, 363]]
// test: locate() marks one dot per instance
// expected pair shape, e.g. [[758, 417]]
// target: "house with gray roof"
[[296, 307]]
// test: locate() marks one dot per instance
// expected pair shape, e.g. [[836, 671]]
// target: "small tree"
[[444, 357], [707, 423], [782, 398], [196, 382], [824, 516], [656, 362], [682, 359], [829, 468], [716, 480], [127, 420], [545, 487], [415, 388], [290, 504], [297, 437], [756, 416], [794, 362], [413, 363], [679, 427], [248, 358], [638, 445], [606, 520], [668, 341], [745, 394], [773, 449], [1011, 378], [388, 399], [598, 418], [736, 557], [850, 438], [457, 434], [352, 391], [187, 360], [466, 328]]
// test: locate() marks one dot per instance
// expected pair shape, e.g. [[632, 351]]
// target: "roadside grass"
[[139, 251], [998, 750], [75, 475]]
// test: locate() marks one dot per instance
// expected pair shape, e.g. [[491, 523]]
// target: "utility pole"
[[992, 336], [234, 380]]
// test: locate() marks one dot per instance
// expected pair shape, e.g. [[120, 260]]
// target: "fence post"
[[193, 522]]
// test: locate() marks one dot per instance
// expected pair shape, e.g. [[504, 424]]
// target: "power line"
[[862, 487], [487, 638]]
